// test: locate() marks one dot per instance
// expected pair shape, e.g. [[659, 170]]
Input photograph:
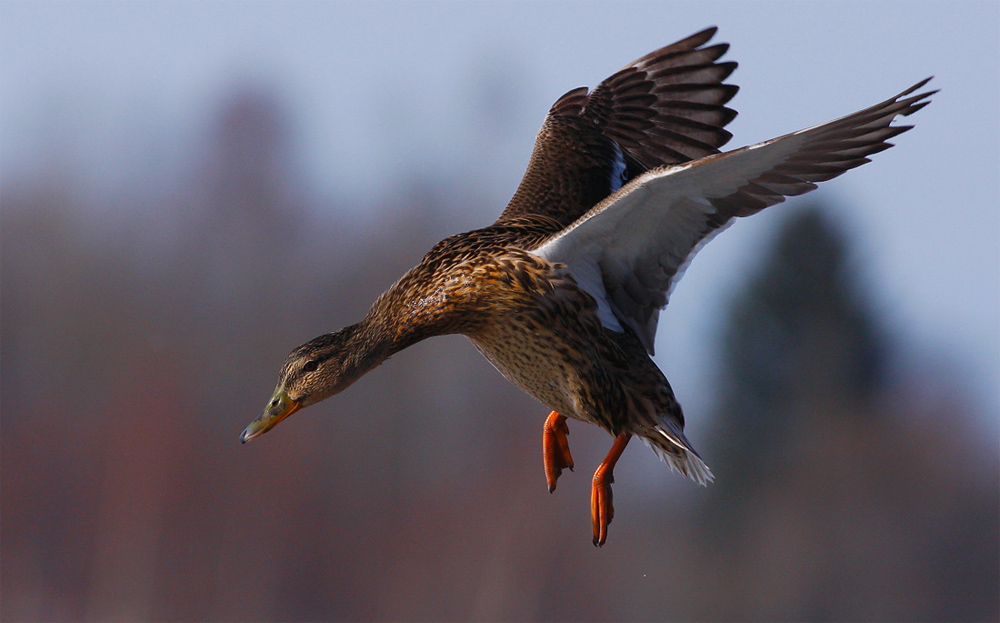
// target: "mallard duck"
[[562, 293]]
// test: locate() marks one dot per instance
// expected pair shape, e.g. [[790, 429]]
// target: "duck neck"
[[369, 344], [403, 315]]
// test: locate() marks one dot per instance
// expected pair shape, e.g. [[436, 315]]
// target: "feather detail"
[[629, 250], [667, 107]]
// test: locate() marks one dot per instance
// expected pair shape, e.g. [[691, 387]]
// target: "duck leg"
[[555, 448], [602, 511]]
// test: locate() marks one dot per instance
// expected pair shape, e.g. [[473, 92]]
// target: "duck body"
[[542, 331], [562, 293]]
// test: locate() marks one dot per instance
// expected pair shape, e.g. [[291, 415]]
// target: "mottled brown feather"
[[667, 107]]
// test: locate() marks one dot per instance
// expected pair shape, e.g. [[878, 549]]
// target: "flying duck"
[[563, 292]]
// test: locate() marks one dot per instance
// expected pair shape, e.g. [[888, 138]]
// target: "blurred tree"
[[248, 211], [829, 487], [799, 339]]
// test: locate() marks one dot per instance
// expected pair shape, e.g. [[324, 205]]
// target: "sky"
[[376, 91]]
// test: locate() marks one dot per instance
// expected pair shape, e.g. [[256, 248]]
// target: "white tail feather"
[[670, 444]]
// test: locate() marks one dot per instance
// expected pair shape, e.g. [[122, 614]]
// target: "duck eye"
[[311, 365]]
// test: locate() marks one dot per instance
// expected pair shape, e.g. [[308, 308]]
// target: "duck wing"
[[630, 250], [665, 108]]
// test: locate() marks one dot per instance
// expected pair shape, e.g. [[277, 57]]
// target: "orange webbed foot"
[[555, 448], [602, 510]]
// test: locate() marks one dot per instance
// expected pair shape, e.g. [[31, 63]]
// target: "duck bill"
[[280, 407]]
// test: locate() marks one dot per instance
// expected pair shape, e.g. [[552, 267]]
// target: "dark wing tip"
[[916, 102], [914, 108], [701, 37], [917, 86]]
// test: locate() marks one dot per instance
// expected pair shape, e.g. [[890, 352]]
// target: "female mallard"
[[563, 292]]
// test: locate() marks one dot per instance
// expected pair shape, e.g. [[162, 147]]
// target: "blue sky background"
[[118, 93]]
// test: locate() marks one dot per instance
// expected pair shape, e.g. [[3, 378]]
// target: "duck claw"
[[602, 510], [555, 448]]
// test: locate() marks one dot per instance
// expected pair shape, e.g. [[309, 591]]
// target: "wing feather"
[[665, 108], [629, 250]]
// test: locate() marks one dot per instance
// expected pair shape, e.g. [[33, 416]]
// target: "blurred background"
[[189, 190]]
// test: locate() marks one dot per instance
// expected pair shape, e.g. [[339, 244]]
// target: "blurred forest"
[[139, 339]]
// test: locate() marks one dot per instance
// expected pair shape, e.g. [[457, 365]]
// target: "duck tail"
[[669, 443]]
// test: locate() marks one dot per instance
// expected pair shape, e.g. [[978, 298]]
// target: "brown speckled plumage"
[[562, 293]]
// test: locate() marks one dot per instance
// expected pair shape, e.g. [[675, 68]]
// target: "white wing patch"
[[588, 277], [629, 257]]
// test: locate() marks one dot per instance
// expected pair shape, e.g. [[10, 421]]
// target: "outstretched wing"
[[629, 250], [665, 108]]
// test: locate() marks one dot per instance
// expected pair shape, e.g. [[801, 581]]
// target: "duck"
[[562, 293]]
